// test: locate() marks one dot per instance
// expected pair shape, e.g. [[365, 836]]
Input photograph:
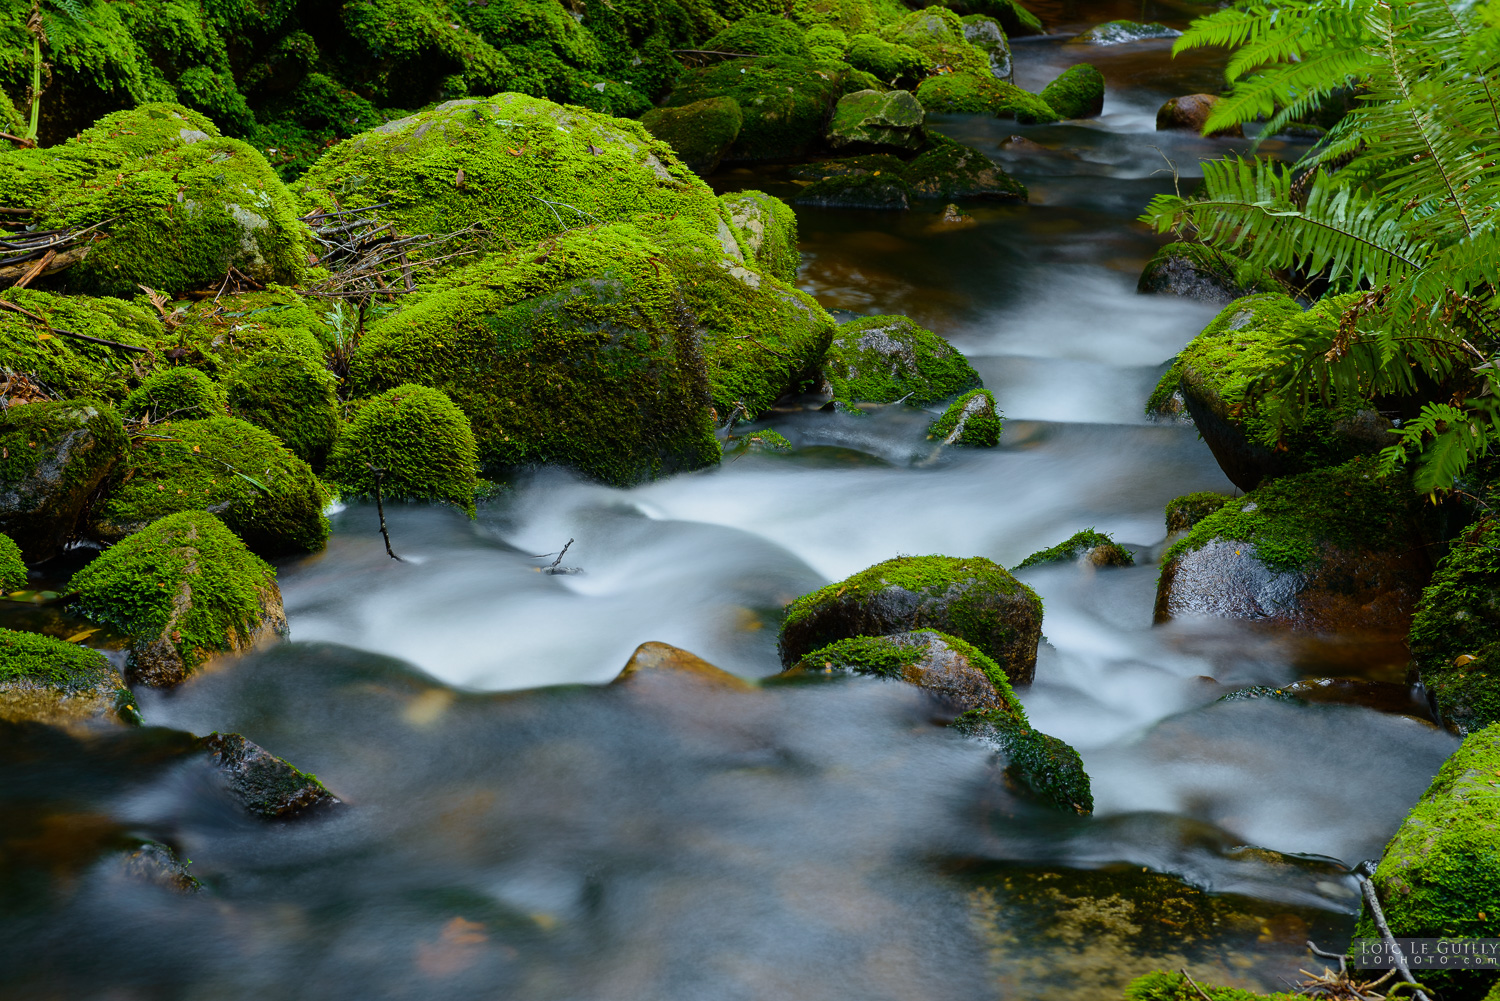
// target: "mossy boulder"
[[950, 171], [1217, 367], [973, 599], [1121, 32], [580, 353], [1455, 634], [12, 565], [784, 99], [265, 785], [1182, 513], [1190, 113], [768, 228], [1196, 271], [871, 120], [45, 680], [65, 365], [1077, 92], [882, 359], [890, 62], [959, 674], [859, 190], [1087, 546], [219, 333], [988, 36], [1333, 551], [179, 203], [242, 473], [419, 441], [290, 396], [175, 394], [972, 419], [699, 133], [982, 94], [938, 33], [53, 456], [761, 35], [184, 589]]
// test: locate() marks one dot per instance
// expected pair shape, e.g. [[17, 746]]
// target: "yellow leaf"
[[85, 634], [44, 337], [1463, 659]]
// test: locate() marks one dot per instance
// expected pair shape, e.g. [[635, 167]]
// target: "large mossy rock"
[[938, 33], [982, 94], [265, 785], [1238, 347], [420, 443], [875, 121], [1335, 550], [68, 366], [45, 680], [974, 684], [882, 359], [53, 456], [242, 473], [13, 575], [768, 228], [581, 353], [1455, 634], [184, 589], [221, 332], [761, 35], [1077, 92], [293, 398], [699, 133], [1196, 271], [988, 36], [890, 62], [972, 419], [973, 599], [180, 203], [950, 171]]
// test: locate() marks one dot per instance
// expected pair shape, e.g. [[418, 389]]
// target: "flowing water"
[[515, 829]]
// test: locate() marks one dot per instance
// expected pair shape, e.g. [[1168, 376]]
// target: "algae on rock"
[[1455, 633], [1090, 546], [972, 419], [768, 228]]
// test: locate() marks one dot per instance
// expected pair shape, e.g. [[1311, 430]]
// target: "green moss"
[[850, 16], [1226, 271], [767, 440], [53, 456], [420, 441], [830, 36], [882, 359], [870, 118], [186, 577], [1454, 632], [1078, 92], [1163, 986], [699, 133], [47, 661], [972, 419], [578, 352], [1186, 511], [949, 170], [889, 61], [859, 190], [175, 394], [218, 334], [762, 35], [296, 125], [891, 656], [292, 398], [65, 365], [266, 495], [12, 567], [785, 101], [982, 94], [768, 228], [1100, 549], [1356, 506], [938, 33]]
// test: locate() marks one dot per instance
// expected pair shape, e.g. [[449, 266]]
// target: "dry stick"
[[380, 509], [1385, 933], [68, 333], [561, 555], [1201, 993], [36, 269]]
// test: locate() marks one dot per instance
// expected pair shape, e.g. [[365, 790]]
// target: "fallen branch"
[[554, 567], [1378, 914], [380, 509], [1201, 993], [68, 333]]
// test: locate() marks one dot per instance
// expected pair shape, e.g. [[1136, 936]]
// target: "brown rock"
[[664, 661], [1190, 114]]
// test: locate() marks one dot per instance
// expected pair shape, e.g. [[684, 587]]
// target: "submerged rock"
[[45, 680], [1120, 32], [420, 442], [972, 419], [184, 589], [768, 227], [1078, 92], [53, 457], [262, 783], [1089, 546], [699, 133], [156, 864], [871, 120], [1455, 634], [882, 359], [1195, 271], [1191, 114], [972, 599], [664, 662]]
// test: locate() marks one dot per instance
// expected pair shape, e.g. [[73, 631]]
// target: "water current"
[[515, 829]]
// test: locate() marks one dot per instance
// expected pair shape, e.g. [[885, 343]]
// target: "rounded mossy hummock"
[[1197, 271], [760, 35], [12, 565], [419, 442], [68, 365], [972, 419], [986, 35], [768, 227], [872, 120], [938, 33], [53, 457], [579, 352], [974, 599], [890, 62], [184, 589], [1077, 92], [882, 359], [174, 394], [982, 94], [223, 331], [1455, 634], [242, 473], [950, 171], [293, 398], [1164, 986], [46, 680], [699, 133], [1120, 32], [785, 101], [1089, 546]]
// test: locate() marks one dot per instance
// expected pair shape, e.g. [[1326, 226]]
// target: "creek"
[[516, 829]]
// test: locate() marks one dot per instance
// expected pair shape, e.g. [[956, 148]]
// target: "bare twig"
[[1378, 914], [380, 509], [36, 269], [555, 567], [68, 333], [1200, 990]]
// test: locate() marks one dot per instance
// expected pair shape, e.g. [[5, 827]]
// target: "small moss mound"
[[175, 394], [291, 397], [699, 133], [12, 566], [761, 35], [768, 227], [891, 62], [43, 660], [1098, 548], [1078, 92], [1455, 634], [950, 171], [1197, 271], [982, 94], [219, 335], [764, 441], [882, 359], [1186, 511], [421, 441], [972, 419]]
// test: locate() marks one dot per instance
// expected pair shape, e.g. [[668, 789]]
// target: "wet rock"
[[1455, 634], [784, 99], [699, 133], [1186, 511], [264, 784], [871, 163], [1194, 271], [1020, 144], [876, 190], [949, 171], [1088, 546], [955, 216], [45, 680], [1078, 92], [53, 456], [972, 419], [155, 864], [882, 359], [1120, 32], [184, 589], [1190, 114], [418, 439], [871, 120], [663, 662], [768, 226], [986, 35], [972, 599], [1331, 551], [1381, 696]]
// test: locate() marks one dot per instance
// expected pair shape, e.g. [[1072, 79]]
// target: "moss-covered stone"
[[938, 33], [579, 352], [175, 394], [764, 440], [768, 228], [948, 171], [184, 589], [265, 785], [859, 190], [972, 419], [785, 101], [1455, 633], [850, 16], [45, 680], [988, 36], [819, 170], [242, 473], [871, 120], [1186, 511], [1164, 986], [1196, 271], [53, 456], [890, 62], [982, 94], [882, 359], [973, 599], [1120, 32], [12, 565], [761, 35], [421, 443], [1077, 92], [65, 365], [219, 333], [699, 133], [1089, 546], [291, 397], [828, 36]]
